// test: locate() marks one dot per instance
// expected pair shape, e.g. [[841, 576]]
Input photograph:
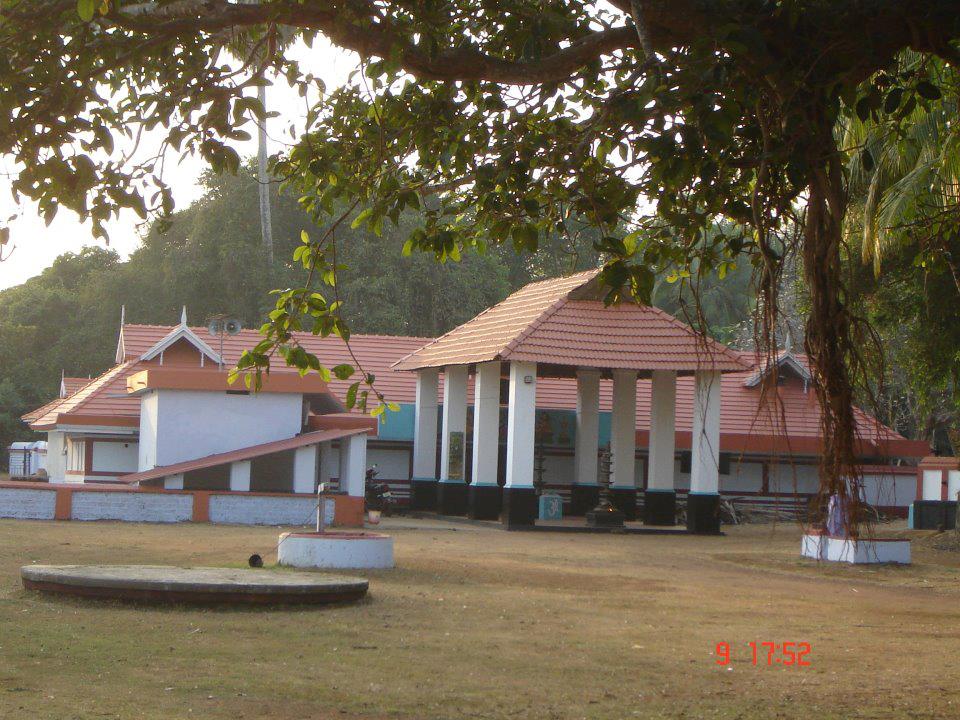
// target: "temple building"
[[550, 375]]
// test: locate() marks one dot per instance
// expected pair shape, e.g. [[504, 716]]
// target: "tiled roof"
[[742, 415], [564, 322], [72, 384], [247, 453], [106, 396]]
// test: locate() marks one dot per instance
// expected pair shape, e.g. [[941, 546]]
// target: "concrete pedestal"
[[659, 507], [610, 517], [335, 550], [519, 508], [452, 498], [855, 552], [423, 495], [484, 502], [703, 513]]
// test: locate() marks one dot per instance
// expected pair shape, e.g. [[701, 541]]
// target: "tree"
[[499, 121]]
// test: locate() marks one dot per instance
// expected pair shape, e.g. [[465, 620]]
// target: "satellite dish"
[[232, 326]]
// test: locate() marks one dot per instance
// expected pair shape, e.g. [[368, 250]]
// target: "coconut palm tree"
[[905, 171]]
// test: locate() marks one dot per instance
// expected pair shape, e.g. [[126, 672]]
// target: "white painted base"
[[335, 550], [857, 552]]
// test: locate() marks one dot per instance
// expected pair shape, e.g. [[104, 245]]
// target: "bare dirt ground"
[[482, 623]]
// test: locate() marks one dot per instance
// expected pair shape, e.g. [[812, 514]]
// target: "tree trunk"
[[829, 333]]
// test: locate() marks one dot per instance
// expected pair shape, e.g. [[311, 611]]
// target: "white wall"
[[889, 490], [743, 477], [119, 457], [787, 478], [262, 510], [132, 507], [179, 425], [25, 504]]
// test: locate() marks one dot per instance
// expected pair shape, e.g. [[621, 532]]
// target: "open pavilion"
[[561, 329]]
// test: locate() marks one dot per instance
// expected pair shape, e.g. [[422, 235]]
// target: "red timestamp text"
[[788, 654]]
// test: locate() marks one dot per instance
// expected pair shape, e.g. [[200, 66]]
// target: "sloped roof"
[[107, 400], [563, 322], [70, 385], [247, 453], [745, 424]]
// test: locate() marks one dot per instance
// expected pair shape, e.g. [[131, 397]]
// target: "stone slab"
[[193, 585]]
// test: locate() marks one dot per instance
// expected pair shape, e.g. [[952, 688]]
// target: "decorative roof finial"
[[123, 314], [183, 316]]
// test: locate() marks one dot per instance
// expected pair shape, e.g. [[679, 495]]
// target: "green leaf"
[[928, 90], [342, 372], [86, 9]]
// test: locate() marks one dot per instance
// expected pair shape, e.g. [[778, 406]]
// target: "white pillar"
[[705, 443], [486, 423], [56, 457], [328, 462], [663, 412], [588, 427], [521, 424], [305, 469], [453, 458], [240, 476], [425, 425], [353, 464], [173, 482], [623, 429]]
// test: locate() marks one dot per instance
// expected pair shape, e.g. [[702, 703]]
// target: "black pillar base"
[[703, 514], [519, 507], [423, 495], [583, 498], [659, 507], [484, 502], [610, 517], [452, 498], [934, 514], [625, 500]]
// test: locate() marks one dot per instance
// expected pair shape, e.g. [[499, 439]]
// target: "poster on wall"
[[457, 452]]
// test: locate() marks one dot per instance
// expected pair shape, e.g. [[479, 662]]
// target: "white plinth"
[[335, 550], [857, 552]]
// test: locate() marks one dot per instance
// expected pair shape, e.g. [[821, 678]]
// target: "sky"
[[33, 246]]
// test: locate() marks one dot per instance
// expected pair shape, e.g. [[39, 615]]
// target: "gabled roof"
[[181, 333], [785, 360], [564, 323]]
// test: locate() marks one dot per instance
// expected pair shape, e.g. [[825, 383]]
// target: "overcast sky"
[[33, 246]]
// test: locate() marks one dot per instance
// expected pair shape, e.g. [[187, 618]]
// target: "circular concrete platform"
[[197, 585], [336, 550]]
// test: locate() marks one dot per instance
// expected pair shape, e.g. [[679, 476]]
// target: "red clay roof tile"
[[563, 322]]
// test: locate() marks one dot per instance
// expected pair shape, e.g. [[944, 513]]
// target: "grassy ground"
[[477, 622]]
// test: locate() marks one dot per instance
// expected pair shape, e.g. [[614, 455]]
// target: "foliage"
[[905, 186]]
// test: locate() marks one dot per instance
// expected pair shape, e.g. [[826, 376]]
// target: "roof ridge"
[[707, 340], [493, 307], [536, 323]]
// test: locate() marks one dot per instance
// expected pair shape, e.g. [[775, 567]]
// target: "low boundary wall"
[[55, 501]]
